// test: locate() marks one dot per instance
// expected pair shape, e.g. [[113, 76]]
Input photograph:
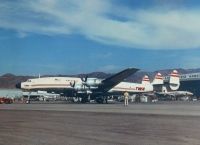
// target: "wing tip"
[[133, 68]]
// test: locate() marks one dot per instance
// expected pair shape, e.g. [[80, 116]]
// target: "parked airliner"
[[99, 89], [75, 86]]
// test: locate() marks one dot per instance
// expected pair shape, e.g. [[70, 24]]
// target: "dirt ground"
[[19, 127]]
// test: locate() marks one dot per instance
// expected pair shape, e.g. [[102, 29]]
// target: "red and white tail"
[[145, 80], [174, 80], [158, 80]]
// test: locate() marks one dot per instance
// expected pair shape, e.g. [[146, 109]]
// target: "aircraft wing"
[[112, 81]]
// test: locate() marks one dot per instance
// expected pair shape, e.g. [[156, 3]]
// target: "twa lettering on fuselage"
[[140, 88]]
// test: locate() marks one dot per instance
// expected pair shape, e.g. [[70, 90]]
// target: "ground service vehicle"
[[4, 100]]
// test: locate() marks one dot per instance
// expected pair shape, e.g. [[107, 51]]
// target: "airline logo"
[[140, 88], [129, 89]]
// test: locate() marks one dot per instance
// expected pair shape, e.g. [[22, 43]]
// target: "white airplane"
[[95, 88], [74, 86]]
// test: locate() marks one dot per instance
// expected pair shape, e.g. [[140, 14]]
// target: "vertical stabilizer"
[[174, 80], [158, 80], [145, 80]]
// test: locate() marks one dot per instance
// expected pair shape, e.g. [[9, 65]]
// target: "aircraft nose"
[[18, 85]]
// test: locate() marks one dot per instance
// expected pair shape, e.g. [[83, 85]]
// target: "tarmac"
[[165, 123]]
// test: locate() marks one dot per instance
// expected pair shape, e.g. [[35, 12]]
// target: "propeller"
[[84, 82], [81, 86], [84, 79], [72, 84]]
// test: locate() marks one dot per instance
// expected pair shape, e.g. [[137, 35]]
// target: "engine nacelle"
[[93, 82], [80, 87]]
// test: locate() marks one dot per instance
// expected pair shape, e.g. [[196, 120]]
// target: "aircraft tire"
[[84, 100], [99, 100]]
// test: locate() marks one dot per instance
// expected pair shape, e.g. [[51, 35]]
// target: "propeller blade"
[[72, 84], [84, 79]]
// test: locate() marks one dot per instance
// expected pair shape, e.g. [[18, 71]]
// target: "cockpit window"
[[28, 80]]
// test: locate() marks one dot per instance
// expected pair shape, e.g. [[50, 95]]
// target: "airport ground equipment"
[[4, 100]]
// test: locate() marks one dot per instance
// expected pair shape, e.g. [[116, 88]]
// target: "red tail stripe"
[[159, 78], [146, 80]]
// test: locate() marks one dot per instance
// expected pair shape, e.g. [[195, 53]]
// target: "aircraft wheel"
[[84, 100], [99, 100]]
